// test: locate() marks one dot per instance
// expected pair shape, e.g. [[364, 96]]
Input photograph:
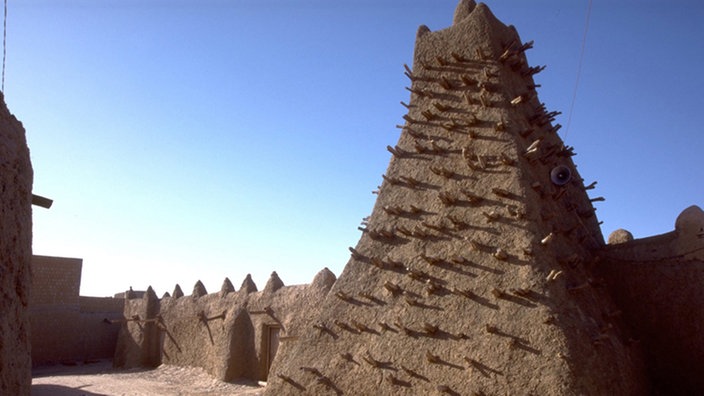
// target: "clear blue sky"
[[186, 140]]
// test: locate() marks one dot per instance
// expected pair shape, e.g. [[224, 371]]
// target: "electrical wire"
[[579, 69], [4, 47]]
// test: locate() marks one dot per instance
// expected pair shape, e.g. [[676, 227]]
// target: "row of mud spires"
[[199, 290], [427, 144]]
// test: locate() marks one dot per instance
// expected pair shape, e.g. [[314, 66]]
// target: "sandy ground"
[[98, 378]]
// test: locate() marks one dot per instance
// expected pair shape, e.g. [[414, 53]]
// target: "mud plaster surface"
[[452, 287], [16, 252]]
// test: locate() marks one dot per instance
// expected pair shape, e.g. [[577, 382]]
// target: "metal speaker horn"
[[560, 175]]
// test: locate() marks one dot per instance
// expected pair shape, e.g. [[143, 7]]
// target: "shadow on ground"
[[60, 390]]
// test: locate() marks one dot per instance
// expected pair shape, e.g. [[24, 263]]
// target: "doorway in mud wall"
[[271, 333]]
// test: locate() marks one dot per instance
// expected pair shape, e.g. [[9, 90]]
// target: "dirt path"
[[100, 379]]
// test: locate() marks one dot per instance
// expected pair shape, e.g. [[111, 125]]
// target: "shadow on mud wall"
[[126, 355], [661, 302], [242, 360]]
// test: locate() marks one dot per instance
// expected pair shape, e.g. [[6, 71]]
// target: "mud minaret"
[[473, 275]]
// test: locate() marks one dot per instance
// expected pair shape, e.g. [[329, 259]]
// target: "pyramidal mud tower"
[[475, 272]]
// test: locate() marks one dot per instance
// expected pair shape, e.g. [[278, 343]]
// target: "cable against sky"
[[579, 69], [4, 46]]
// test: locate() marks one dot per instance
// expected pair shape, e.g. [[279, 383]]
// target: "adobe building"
[[476, 272], [232, 334], [16, 252], [66, 327], [657, 282], [482, 269]]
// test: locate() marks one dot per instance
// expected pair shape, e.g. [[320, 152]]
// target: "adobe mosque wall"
[[16, 246], [65, 326], [482, 269], [16, 179], [475, 274], [231, 334], [658, 284]]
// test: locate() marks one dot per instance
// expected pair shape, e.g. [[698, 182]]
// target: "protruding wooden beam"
[[42, 201]]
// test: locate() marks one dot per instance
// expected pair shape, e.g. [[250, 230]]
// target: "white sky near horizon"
[[198, 140]]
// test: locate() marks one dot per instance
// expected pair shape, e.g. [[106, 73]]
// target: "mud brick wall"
[[56, 281], [65, 326], [15, 254], [474, 273], [98, 338], [138, 338], [657, 283], [227, 333]]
